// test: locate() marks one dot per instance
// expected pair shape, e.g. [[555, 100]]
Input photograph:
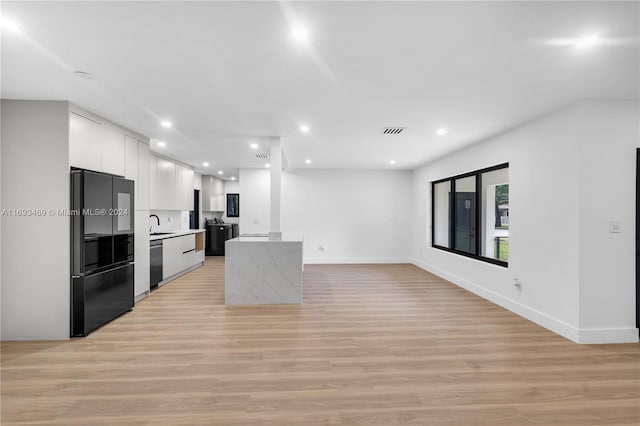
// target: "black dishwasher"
[[156, 263]]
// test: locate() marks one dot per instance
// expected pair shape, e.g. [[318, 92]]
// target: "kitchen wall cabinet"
[[137, 169], [171, 185], [187, 189], [163, 178], [85, 145], [113, 141], [212, 194], [142, 200], [184, 188], [131, 159], [96, 145]]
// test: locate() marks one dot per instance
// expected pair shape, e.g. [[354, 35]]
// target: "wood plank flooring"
[[372, 345]]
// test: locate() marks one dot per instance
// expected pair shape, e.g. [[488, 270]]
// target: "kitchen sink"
[[161, 233]]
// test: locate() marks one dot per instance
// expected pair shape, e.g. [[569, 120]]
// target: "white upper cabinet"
[[142, 200], [113, 158], [171, 185], [136, 154], [212, 194], [131, 159], [187, 189], [85, 145], [96, 144], [164, 193]]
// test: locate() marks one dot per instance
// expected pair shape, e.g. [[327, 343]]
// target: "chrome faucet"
[[157, 218]]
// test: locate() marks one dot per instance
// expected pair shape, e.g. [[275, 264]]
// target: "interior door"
[[465, 222]]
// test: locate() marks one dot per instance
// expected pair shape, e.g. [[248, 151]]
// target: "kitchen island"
[[259, 270]]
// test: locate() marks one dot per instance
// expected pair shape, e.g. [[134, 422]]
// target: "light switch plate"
[[615, 227]]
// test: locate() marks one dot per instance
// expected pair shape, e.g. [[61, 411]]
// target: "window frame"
[[452, 179]]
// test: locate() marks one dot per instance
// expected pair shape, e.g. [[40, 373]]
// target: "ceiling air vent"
[[392, 130], [263, 156]]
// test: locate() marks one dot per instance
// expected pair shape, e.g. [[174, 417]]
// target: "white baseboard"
[[347, 260], [609, 335]]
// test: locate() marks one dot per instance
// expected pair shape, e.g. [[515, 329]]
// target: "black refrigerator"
[[102, 243]]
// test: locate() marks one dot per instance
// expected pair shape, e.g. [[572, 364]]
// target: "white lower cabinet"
[[141, 253], [178, 254]]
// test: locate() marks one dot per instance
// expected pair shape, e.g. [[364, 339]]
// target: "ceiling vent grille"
[[392, 130], [263, 156]]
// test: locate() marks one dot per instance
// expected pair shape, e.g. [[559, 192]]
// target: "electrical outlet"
[[517, 283], [321, 248], [615, 227]]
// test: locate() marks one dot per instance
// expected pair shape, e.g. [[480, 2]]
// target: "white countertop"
[[287, 237], [172, 234]]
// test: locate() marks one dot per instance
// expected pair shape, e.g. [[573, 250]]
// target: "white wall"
[[254, 200], [231, 187], [607, 192], [35, 249], [357, 216], [560, 204]]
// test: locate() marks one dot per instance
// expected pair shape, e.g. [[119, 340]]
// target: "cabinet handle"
[[185, 252]]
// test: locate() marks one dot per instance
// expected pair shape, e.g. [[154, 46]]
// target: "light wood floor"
[[372, 345]]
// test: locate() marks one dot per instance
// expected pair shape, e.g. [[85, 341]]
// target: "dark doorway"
[[194, 215], [465, 222]]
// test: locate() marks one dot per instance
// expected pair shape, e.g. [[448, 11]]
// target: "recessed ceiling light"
[[300, 33], [587, 41], [166, 124], [205, 164], [161, 144], [83, 75], [392, 162], [233, 178], [8, 24], [441, 132], [307, 161], [304, 128], [254, 146], [220, 172], [267, 165]]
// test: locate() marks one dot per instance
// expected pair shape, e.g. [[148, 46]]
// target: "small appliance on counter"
[[102, 239]]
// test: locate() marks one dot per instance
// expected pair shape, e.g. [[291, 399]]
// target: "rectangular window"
[[470, 214], [495, 217], [464, 221], [441, 201]]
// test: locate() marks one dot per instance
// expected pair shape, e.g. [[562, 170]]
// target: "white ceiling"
[[229, 73]]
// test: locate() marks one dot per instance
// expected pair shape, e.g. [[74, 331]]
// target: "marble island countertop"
[[263, 237], [171, 234], [259, 270]]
